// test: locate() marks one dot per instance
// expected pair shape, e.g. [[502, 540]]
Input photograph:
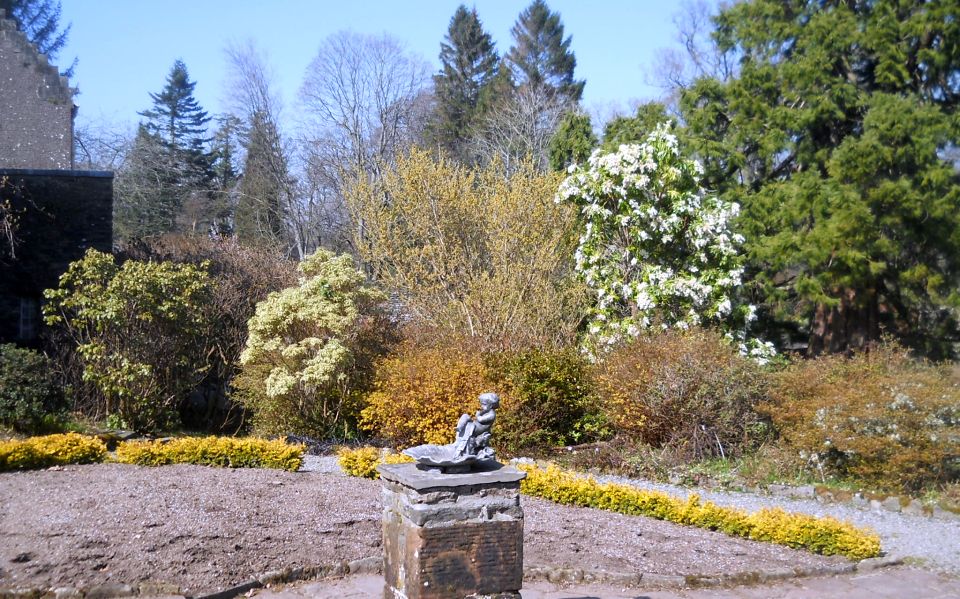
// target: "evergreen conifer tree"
[[833, 139], [540, 57], [259, 214], [169, 171], [573, 142], [469, 64], [179, 122]]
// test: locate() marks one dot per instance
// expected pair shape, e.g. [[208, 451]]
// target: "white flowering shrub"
[[655, 248], [300, 360]]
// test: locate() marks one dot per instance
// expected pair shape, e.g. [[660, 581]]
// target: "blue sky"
[[126, 47]]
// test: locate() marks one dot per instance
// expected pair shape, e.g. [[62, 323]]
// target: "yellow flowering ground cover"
[[363, 461], [826, 536], [228, 452], [50, 450]]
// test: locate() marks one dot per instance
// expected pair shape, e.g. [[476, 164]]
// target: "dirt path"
[[204, 529]]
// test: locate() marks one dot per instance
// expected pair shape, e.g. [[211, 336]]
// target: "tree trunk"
[[849, 326]]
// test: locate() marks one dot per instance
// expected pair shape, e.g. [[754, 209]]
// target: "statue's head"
[[490, 401]]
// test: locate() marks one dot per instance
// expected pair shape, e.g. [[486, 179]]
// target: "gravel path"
[[203, 529], [936, 543]]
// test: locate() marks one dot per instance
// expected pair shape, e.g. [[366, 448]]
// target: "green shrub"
[[50, 450], [689, 391], [240, 277], [28, 395], [310, 348], [548, 399], [421, 391], [820, 535], [227, 452], [139, 329], [881, 417]]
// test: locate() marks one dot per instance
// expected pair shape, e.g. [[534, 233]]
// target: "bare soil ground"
[[206, 529]]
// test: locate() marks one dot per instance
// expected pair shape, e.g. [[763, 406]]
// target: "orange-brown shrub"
[[421, 391], [880, 416], [690, 391]]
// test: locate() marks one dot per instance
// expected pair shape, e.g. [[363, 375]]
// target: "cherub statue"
[[472, 444]]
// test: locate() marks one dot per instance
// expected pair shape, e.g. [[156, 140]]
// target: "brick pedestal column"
[[451, 536]]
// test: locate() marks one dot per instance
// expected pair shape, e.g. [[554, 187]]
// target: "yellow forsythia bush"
[[363, 462], [421, 392], [50, 450], [213, 451], [826, 536]]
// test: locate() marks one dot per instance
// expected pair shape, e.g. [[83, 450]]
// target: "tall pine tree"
[[540, 57], [170, 168], [179, 122], [259, 216], [469, 64], [832, 138]]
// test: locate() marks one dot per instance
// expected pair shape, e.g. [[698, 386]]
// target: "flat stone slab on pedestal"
[[409, 475]]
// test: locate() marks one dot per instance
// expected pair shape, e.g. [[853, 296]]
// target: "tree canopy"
[[469, 64], [832, 137], [541, 57]]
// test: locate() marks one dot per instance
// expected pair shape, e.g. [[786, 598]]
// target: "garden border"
[[374, 565]]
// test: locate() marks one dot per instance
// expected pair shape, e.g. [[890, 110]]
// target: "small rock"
[[914, 508], [891, 504], [805, 491], [941, 514], [875, 505], [367, 565], [22, 558], [157, 588], [274, 577], [107, 591], [873, 563], [66, 593]]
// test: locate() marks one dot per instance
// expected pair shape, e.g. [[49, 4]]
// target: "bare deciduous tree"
[[696, 54], [363, 97], [520, 128], [267, 196]]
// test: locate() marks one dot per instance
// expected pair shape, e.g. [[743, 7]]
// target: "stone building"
[[50, 214], [36, 106]]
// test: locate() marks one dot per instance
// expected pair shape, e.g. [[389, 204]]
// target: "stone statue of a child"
[[473, 434], [472, 445]]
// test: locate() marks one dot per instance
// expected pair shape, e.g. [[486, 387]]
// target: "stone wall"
[[36, 106], [59, 215], [451, 535]]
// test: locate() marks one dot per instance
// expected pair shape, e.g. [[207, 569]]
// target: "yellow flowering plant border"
[[227, 452], [826, 536], [50, 450], [363, 461]]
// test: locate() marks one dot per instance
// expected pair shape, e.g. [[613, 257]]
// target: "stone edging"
[[374, 565], [878, 503]]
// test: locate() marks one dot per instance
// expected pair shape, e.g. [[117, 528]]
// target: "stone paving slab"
[[889, 583]]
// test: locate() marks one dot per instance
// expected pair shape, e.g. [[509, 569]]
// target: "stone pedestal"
[[451, 536]]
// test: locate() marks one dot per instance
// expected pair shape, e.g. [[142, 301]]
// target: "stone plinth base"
[[451, 536]]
